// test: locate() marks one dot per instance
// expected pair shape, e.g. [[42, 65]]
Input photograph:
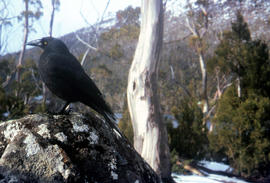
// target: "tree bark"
[[150, 134], [204, 84], [199, 47], [52, 18], [238, 86]]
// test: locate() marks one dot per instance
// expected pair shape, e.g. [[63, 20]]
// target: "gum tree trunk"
[[204, 84], [150, 134]]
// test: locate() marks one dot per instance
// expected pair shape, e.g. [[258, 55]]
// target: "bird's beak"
[[35, 43]]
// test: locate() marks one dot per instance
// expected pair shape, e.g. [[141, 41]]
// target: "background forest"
[[233, 39]]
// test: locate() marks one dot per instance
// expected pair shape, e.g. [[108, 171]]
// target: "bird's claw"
[[62, 112]]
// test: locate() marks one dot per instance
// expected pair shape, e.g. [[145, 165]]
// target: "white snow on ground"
[[216, 166], [192, 178], [211, 178]]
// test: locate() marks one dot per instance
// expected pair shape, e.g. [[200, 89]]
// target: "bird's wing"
[[69, 70]]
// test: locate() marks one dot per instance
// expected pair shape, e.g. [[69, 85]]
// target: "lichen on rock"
[[68, 148]]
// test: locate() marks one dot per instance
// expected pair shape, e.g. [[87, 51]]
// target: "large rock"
[[68, 148]]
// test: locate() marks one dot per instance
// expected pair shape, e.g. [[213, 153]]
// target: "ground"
[[211, 178]]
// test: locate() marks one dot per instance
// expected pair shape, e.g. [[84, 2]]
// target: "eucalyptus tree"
[[150, 134]]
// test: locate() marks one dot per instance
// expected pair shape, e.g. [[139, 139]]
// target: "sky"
[[72, 15]]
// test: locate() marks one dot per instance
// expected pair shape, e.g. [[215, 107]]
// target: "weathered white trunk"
[[239, 87], [199, 35], [204, 84], [150, 134]]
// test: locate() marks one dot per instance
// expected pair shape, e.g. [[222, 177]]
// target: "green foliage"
[[242, 131], [240, 28], [257, 68], [189, 138], [27, 86], [33, 13], [4, 70], [10, 106], [101, 71], [174, 162], [128, 16], [126, 28], [15, 106], [237, 54], [129, 32], [116, 51], [232, 50], [241, 124]]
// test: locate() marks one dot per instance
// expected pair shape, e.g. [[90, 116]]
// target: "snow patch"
[[216, 166], [6, 114], [61, 137], [44, 132], [39, 97], [192, 178], [211, 178], [32, 147]]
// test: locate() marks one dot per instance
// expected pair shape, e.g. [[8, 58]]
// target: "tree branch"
[[85, 43]]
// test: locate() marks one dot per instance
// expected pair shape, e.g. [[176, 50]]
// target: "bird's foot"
[[61, 112], [66, 112]]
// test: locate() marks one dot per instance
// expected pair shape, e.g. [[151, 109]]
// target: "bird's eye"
[[45, 43]]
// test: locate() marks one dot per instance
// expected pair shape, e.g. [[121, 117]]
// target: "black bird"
[[64, 76]]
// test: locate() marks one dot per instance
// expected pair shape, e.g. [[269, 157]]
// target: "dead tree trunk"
[[150, 134]]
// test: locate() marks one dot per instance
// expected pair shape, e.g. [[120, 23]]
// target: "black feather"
[[64, 76]]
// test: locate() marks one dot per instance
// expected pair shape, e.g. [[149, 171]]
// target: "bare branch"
[[84, 18], [85, 43], [84, 56], [205, 13], [95, 28], [107, 5], [191, 28]]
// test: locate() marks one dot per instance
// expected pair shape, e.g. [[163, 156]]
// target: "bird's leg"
[[63, 110]]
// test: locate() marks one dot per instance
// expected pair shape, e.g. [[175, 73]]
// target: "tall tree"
[[150, 134], [55, 6], [197, 23], [27, 15], [241, 33], [230, 53]]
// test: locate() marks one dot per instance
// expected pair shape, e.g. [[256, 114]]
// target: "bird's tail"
[[111, 120]]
